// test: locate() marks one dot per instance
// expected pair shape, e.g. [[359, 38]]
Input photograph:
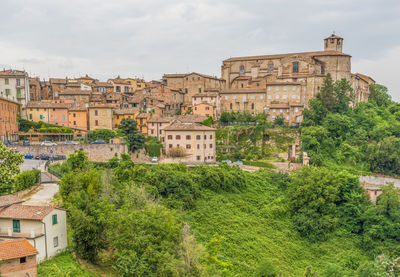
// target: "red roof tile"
[[12, 249], [19, 211]]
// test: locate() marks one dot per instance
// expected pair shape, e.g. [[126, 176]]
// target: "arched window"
[[241, 69]]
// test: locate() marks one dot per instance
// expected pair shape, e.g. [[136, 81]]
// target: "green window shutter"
[[7, 91], [16, 226], [30, 116], [54, 219], [6, 81], [41, 116], [18, 93]]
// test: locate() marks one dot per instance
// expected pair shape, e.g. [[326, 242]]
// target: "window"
[[18, 93], [7, 91], [126, 89], [16, 226], [96, 123], [169, 136], [63, 117], [284, 96], [22, 260], [261, 97], [205, 136], [18, 82], [269, 88], [30, 116], [199, 90], [284, 88], [230, 105], [54, 219], [270, 68], [211, 146], [41, 116], [293, 96], [96, 113], [295, 67], [177, 137], [253, 97], [186, 90], [160, 132], [118, 88], [252, 106], [296, 110], [188, 137], [276, 88], [188, 146], [207, 108], [241, 69], [152, 132], [55, 242], [294, 88], [242, 85], [234, 97], [198, 78], [274, 110], [198, 137], [74, 122], [74, 115], [6, 81], [210, 136], [170, 146], [198, 158], [277, 96], [198, 146], [280, 110]]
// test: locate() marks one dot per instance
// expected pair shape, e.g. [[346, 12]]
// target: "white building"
[[14, 85], [45, 227]]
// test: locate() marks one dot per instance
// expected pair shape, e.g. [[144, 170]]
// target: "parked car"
[[71, 142], [29, 156], [226, 161], [48, 143], [26, 143], [238, 163], [100, 141], [58, 157], [154, 160], [42, 157]]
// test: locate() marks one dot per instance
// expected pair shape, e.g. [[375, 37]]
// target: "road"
[[29, 164], [43, 196]]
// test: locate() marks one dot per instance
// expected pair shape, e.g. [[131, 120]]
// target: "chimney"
[[9, 231]]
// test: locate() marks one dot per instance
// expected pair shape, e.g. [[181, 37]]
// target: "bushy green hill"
[[257, 229]]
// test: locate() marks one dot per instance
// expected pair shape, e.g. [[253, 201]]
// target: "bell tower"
[[333, 43]]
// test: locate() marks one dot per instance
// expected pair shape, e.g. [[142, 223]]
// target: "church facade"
[[282, 84]]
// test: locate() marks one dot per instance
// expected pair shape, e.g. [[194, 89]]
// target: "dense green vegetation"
[[26, 179], [153, 146], [63, 265], [42, 127], [366, 137], [170, 220]]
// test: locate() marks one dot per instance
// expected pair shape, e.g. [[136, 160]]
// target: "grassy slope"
[[256, 227], [63, 265]]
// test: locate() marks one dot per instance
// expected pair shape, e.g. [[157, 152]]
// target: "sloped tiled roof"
[[8, 200], [187, 127], [19, 211], [126, 111], [48, 105], [143, 115], [12, 249], [74, 92]]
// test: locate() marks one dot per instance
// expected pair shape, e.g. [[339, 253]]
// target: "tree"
[[208, 121], [343, 95], [384, 156], [379, 95], [327, 94], [135, 139], [9, 167], [279, 121], [101, 134]]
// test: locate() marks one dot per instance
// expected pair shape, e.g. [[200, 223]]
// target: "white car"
[[154, 160], [48, 143]]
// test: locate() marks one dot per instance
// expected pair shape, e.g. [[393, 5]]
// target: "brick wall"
[[13, 268], [96, 152]]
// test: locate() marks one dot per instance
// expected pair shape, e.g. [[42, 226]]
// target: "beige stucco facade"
[[100, 117]]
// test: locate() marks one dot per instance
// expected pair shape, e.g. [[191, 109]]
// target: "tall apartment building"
[[289, 80], [8, 120], [14, 86]]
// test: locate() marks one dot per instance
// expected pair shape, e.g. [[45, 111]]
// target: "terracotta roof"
[[74, 92], [119, 81], [157, 119], [243, 90], [48, 105], [126, 111], [143, 115], [97, 106], [8, 200], [101, 84], [365, 78], [12, 249], [279, 56], [183, 75], [19, 211], [187, 127], [57, 81], [11, 72], [191, 118]]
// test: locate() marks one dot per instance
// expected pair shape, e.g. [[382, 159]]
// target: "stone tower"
[[333, 43]]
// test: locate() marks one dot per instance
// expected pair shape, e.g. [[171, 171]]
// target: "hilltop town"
[[257, 172]]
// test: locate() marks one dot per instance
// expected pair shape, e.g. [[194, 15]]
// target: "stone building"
[[74, 95], [100, 117], [206, 104], [78, 117], [196, 141], [14, 86], [18, 258], [128, 113], [192, 83], [8, 120], [290, 80]]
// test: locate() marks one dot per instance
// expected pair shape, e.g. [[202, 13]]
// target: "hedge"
[[27, 179]]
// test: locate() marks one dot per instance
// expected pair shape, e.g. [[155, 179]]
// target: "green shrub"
[[27, 179]]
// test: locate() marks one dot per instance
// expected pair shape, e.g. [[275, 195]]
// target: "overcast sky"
[[106, 38]]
